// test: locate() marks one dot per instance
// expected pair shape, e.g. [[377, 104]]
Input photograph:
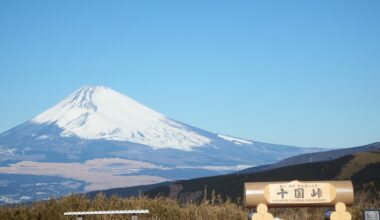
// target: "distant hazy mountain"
[[106, 139]]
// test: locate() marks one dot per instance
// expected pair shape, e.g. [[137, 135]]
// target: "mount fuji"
[[99, 138]]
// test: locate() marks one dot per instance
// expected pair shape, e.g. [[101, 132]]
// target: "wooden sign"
[[296, 193]]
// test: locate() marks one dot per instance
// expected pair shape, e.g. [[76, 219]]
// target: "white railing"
[[80, 215]]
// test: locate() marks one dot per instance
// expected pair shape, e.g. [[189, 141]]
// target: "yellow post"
[[340, 212], [262, 213]]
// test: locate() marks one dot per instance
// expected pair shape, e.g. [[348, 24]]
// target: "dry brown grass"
[[167, 209], [357, 163]]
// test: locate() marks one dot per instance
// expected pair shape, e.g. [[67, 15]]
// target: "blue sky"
[[303, 73]]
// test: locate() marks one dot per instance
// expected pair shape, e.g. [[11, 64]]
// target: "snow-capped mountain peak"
[[98, 112]]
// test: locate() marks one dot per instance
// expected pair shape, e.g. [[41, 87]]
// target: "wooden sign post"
[[296, 193]]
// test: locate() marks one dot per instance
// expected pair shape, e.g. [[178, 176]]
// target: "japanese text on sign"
[[297, 192]]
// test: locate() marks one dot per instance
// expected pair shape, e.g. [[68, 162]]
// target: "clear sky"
[[303, 73]]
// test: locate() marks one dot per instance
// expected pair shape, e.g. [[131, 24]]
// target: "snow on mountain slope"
[[234, 139], [97, 112]]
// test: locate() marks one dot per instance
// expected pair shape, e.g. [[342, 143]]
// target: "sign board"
[[298, 193], [371, 215]]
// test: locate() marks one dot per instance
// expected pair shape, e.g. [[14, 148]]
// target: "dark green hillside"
[[345, 163], [362, 168], [369, 175], [231, 186]]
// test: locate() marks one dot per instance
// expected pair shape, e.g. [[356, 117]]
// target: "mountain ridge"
[[95, 123]]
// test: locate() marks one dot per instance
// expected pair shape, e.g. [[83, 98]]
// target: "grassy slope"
[[359, 162]]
